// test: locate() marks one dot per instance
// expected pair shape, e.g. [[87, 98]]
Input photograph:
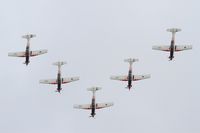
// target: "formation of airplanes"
[[128, 78]]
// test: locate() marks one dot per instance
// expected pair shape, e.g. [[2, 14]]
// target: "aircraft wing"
[[38, 52], [121, 78], [17, 54], [140, 77], [48, 81], [71, 79], [183, 47], [83, 106], [103, 105], [162, 48]]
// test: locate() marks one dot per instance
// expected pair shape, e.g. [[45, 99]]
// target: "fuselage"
[[27, 54], [172, 47], [59, 81], [130, 77], [93, 107]]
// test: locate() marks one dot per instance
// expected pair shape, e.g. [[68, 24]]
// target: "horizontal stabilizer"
[[131, 60], [173, 30], [93, 89], [59, 63], [28, 36]]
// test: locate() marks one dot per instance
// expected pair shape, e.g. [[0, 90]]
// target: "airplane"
[[130, 77], [93, 106], [27, 53], [172, 48], [59, 81]]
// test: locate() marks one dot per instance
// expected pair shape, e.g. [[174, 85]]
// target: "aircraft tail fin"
[[28, 36], [173, 30], [131, 60], [59, 63], [94, 89]]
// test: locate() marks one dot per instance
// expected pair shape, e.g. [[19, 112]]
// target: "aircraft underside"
[[27, 60], [93, 112]]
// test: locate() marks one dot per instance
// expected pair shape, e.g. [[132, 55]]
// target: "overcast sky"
[[94, 37]]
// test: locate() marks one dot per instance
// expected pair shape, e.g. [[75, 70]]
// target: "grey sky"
[[94, 37]]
